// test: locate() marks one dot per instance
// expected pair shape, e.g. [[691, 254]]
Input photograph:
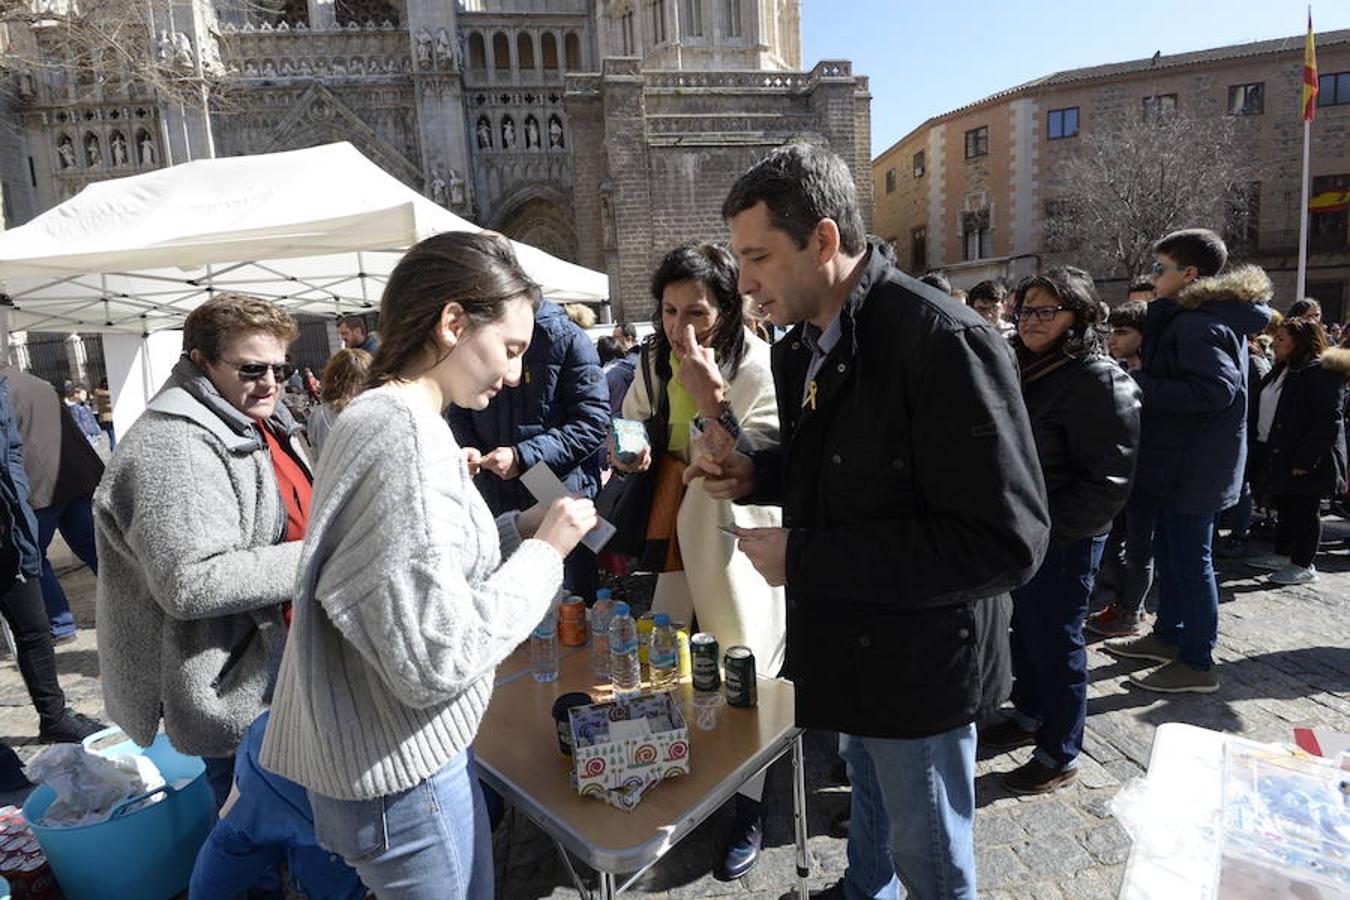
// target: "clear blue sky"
[[925, 57]]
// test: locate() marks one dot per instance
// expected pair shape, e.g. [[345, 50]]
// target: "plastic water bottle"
[[544, 648], [625, 670], [601, 613], [663, 657]]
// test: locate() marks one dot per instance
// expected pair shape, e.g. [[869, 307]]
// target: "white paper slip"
[[545, 487]]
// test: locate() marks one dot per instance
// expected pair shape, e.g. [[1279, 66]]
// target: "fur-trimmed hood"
[[1246, 284], [1336, 359]]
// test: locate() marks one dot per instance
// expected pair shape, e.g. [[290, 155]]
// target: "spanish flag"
[[1310, 75]]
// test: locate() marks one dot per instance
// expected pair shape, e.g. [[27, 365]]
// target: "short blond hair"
[[232, 315], [581, 314]]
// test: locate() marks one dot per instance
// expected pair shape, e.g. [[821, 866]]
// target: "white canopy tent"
[[315, 230]]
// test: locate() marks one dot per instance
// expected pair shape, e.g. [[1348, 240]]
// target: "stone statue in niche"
[[423, 48], [531, 133], [162, 47], [484, 135], [147, 150], [555, 132], [118, 146], [508, 134], [93, 153], [287, 67], [269, 69], [65, 152], [607, 220], [438, 186], [182, 51], [456, 189], [445, 53]]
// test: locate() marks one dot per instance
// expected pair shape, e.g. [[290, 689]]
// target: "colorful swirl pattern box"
[[624, 747]]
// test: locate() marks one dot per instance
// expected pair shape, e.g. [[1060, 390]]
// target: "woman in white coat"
[[706, 379]]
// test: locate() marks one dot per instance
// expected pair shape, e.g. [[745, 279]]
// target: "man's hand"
[[767, 549], [502, 462], [473, 459], [699, 374], [730, 479]]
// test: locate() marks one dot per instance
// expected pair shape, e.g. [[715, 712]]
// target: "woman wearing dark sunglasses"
[[199, 516], [1085, 416]]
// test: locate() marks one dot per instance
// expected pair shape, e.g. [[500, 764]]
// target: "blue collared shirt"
[[820, 344]]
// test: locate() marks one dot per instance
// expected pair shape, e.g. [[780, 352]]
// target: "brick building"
[[969, 191]]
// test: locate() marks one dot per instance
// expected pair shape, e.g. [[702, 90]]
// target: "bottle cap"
[[603, 594], [620, 608], [661, 619]]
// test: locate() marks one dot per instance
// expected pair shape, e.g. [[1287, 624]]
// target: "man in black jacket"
[[911, 495]]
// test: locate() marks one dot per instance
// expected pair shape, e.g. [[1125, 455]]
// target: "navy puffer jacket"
[[558, 414]]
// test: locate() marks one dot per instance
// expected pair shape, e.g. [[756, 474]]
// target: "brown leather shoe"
[[1033, 777]]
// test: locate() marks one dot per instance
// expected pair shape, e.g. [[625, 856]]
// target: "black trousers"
[[1300, 527], [21, 605]]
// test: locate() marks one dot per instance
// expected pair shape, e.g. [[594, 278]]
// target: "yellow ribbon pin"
[[811, 394]]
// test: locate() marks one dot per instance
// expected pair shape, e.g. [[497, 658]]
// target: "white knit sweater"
[[403, 607]]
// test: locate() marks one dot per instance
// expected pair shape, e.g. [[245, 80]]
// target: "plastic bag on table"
[[88, 785]]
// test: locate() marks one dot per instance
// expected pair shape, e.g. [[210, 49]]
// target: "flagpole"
[[1300, 291]]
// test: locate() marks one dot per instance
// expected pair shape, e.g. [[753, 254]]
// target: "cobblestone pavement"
[[1284, 660]]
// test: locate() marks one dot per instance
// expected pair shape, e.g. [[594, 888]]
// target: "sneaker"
[[1034, 777], [1232, 547], [1112, 622], [1006, 735], [1146, 647], [71, 728], [69, 637], [1178, 678], [744, 842], [1272, 562], [1292, 574]]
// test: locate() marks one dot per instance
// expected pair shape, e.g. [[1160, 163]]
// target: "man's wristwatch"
[[726, 418]]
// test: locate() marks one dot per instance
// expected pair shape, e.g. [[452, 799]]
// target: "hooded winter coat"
[[192, 572], [1308, 433], [1193, 441]]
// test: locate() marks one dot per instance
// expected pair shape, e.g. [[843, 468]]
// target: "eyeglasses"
[[1040, 313], [1158, 268], [255, 371]]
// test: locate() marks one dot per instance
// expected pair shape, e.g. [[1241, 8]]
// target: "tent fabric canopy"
[[315, 230]]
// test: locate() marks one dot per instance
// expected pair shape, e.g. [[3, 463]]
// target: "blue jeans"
[[1126, 572], [913, 816], [1048, 654], [1188, 596], [75, 519], [270, 821], [430, 842]]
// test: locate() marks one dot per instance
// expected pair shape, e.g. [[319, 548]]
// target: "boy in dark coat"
[[1193, 445]]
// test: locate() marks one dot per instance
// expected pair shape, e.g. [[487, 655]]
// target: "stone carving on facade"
[[146, 145], [65, 152], [445, 50], [423, 49], [182, 51], [508, 134], [117, 145], [438, 186], [456, 189], [531, 133], [555, 132], [93, 153], [287, 67], [484, 131], [607, 215], [269, 69]]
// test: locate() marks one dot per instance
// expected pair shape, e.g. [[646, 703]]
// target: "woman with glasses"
[[199, 517], [1085, 416]]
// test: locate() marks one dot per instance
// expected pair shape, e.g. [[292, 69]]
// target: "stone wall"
[[659, 150]]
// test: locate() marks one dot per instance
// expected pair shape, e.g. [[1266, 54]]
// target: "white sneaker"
[[1292, 574], [1269, 561]]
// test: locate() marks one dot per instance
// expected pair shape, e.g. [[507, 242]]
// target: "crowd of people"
[[912, 505]]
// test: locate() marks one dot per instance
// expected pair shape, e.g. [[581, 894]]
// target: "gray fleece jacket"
[[191, 575], [403, 607]]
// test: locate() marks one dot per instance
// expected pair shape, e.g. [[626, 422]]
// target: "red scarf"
[[296, 491]]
